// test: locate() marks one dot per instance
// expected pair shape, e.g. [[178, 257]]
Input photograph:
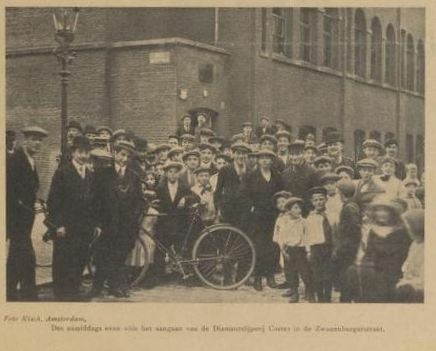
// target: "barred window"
[[360, 43], [376, 49], [307, 31], [278, 17], [410, 63], [390, 61], [331, 37]]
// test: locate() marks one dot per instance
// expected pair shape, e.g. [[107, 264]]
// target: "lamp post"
[[65, 23]]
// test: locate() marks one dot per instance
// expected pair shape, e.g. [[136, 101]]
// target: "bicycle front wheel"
[[224, 257]]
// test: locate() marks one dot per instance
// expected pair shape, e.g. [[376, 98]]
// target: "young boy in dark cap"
[[191, 160], [204, 191], [392, 149], [319, 236], [208, 152]]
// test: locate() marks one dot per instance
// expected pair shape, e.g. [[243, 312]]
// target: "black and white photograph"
[[215, 154]]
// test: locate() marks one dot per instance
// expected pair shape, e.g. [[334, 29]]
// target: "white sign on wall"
[[159, 57]]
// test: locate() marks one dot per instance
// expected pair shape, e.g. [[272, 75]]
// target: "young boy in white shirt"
[[290, 234]]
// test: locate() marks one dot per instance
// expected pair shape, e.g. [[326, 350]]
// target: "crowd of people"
[[353, 226]]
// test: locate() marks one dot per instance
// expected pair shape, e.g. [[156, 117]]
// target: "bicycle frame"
[[172, 255]]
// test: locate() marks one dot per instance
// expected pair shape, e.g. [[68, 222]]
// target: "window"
[[359, 138], [205, 73], [278, 30], [375, 135], [331, 37], [409, 147], [410, 63], [307, 24], [403, 59], [390, 62], [326, 131], [376, 49], [420, 68], [360, 43], [264, 29]]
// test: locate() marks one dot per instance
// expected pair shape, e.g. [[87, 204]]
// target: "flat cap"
[[311, 147], [346, 169], [89, 129], [317, 190], [329, 177], [268, 137], [34, 130], [367, 162], [322, 159], [372, 143], [168, 165], [243, 147], [162, 147], [194, 153], [204, 146], [176, 150], [285, 194], [265, 152], [106, 128]]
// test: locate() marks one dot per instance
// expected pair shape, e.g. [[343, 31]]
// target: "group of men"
[[107, 179]]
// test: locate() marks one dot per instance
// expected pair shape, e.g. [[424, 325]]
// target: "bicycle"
[[222, 256]]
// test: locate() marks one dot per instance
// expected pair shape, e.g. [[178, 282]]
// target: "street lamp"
[[65, 23]]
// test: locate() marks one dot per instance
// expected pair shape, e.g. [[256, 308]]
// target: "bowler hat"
[[141, 144], [34, 130], [89, 130], [81, 142], [74, 124]]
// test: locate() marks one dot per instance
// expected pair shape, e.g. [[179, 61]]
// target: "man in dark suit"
[[335, 150], [72, 208], [228, 188], [283, 157], [392, 149], [186, 127], [120, 202], [264, 127], [22, 184], [299, 177]]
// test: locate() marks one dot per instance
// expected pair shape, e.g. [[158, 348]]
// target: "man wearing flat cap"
[[187, 142], [121, 205], [299, 177], [72, 207], [366, 185], [191, 160], [372, 149], [335, 150], [22, 184], [208, 152], [247, 132], [174, 198], [392, 149], [227, 192]]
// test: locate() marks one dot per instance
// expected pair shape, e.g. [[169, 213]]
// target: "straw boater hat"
[[101, 154], [34, 130]]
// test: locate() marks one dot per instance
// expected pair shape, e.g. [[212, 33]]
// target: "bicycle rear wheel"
[[224, 257]]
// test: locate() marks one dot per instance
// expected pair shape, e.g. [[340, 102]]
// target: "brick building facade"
[[357, 70]]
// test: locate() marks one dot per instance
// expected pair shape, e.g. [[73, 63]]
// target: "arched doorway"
[[211, 116]]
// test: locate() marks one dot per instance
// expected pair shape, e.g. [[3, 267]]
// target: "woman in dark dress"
[[258, 189], [386, 250]]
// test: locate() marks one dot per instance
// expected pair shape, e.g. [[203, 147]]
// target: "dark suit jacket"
[[227, 196], [72, 201], [22, 184], [120, 203], [349, 233], [181, 130], [268, 130], [299, 179], [175, 223]]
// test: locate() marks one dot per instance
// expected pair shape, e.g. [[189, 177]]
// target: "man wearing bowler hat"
[[22, 184], [121, 205], [73, 211]]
